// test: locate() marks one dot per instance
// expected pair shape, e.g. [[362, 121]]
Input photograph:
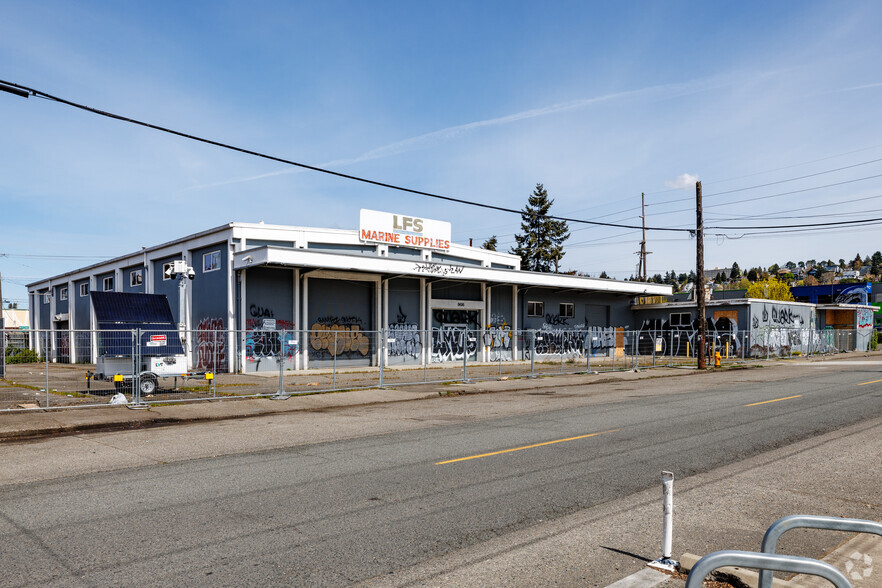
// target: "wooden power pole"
[[699, 277]]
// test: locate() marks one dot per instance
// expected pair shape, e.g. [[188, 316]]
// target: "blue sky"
[[599, 101]]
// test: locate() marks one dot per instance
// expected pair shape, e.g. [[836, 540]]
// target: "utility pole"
[[699, 276], [2, 334], [641, 266]]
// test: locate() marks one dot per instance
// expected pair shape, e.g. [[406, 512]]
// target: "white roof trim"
[[280, 256]]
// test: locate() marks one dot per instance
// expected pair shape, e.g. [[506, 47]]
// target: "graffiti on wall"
[[497, 338], [782, 329], [573, 342], [261, 343], [211, 345], [336, 336], [404, 338], [456, 334], [853, 295], [658, 336], [437, 269]]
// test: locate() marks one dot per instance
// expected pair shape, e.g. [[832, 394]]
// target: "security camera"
[[190, 273]]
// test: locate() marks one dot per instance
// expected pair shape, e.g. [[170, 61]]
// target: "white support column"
[[423, 325], [243, 276], [304, 345], [378, 310], [93, 324], [232, 345], [485, 296], [514, 322], [428, 318], [71, 322], [385, 319], [296, 314]]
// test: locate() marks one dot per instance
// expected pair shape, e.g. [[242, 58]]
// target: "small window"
[[136, 278], [166, 270], [62, 294], [84, 290], [535, 308], [567, 310], [681, 319], [211, 261], [107, 284]]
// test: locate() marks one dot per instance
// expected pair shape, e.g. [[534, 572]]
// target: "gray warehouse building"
[[331, 288]]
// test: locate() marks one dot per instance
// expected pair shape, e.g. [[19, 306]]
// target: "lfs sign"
[[403, 231]]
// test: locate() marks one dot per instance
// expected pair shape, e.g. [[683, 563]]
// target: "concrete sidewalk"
[[37, 423]]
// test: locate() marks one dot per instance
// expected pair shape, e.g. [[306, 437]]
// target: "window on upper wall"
[[62, 294], [136, 278], [84, 289], [567, 310], [681, 319], [535, 308], [211, 262], [107, 284]]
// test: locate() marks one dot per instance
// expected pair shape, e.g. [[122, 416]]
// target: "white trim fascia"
[[357, 263]]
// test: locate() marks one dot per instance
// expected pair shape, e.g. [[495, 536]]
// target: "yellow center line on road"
[[870, 382], [776, 400], [525, 447]]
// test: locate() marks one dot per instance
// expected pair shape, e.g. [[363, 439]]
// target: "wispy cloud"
[[682, 181], [863, 87], [426, 140]]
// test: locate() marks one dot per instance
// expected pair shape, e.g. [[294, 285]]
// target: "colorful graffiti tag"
[[211, 345]]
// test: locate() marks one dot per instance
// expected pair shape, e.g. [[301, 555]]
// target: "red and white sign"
[[157, 341], [403, 231]]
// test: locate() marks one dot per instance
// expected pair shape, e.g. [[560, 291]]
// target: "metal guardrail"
[[778, 528], [763, 562]]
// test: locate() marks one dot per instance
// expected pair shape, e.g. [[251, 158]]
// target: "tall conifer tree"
[[540, 246]]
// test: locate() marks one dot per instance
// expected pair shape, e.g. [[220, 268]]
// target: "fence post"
[[280, 393], [46, 350], [532, 335], [381, 354], [426, 345], [211, 384], [665, 562], [588, 351], [334, 376], [464, 334]]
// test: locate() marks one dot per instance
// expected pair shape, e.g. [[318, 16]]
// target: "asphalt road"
[[428, 479]]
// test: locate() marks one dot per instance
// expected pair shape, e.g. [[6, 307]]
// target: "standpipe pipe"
[[665, 562], [668, 490]]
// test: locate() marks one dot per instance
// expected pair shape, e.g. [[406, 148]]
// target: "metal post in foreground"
[[137, 403], [764, 561], [665, 562], [464, 334], [280, 393]]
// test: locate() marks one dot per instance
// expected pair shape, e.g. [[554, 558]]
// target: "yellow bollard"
[[727, 350], [687, 349]]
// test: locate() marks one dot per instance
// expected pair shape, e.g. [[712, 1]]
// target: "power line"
[[41, 94]]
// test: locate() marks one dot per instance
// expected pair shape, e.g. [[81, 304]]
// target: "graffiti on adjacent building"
[[574, 342], [211, 345], [438, 269], [660, 337], [857, 294]]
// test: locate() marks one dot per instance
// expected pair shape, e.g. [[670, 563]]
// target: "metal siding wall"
[[269, 294], [500, 306], [44, 312], [167, 287], [82, 307], [209, 289], [61, 306], [456, 291], [404, 321], [127, 280], [347, 305]]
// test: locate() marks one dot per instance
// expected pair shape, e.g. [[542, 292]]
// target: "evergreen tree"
[[736, 271], [752, 275], [490, 243], [603, 274], [876, 263], [540, 247]]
